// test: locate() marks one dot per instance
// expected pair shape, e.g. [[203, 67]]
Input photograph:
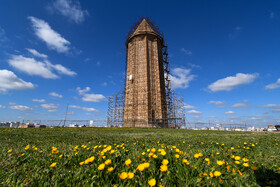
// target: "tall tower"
[[145, 97]]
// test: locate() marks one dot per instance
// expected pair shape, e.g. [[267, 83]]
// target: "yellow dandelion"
[[163, 168], [60, 156], [101, 167], [123, 175], [22, 154], [217, 173], [200, 154], [27, 147], [128, 162], [108, 162], [146, 165], [141, 167], [153, 150], [53, 165], [10, 150], [152, 182], [211, 174], [237, 162], [196, 155], [130, 175], [165, 162], [82, 163], [177, 156], [220, 162], [237, 158], [246, 164], [245, 160], [110, 169]]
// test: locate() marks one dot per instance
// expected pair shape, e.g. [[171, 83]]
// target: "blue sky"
[[224, 57]]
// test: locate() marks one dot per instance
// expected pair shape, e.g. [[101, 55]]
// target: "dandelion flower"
[[11, 150], [22, 154], [110, 169], [60, 156], [82, 163], [128, 162], [53, 165], [196, 155], [211, 174], [237, 158], [220, 162], [101, 167], [177, 156], [141, 167], [130, 175], [146, 165], [246, 164], [152, 182], [108, 162], [217, 173], [27, 147], [123, 175], [165, 162], [163, 168]]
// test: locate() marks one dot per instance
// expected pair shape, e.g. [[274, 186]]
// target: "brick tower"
[[145, 97]]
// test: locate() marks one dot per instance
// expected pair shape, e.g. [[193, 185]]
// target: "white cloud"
[[49, 106], [39, 100], [194, 112], [273, 85], [1, 106], [230, 112], [70, 10], [53, 39], [83, 108], [256, 118], [216, 102], [90, 97], [211, 116], [186, 51], [36, 53], [21, 108], [231, 82], [240, 105], [9, 81], [270, 106], [187, 106], [93, 97], [31, 66], [194, 65], [11, 103], [180, 78], [83, 91], [55, 95], [62, 70], [39, 68]]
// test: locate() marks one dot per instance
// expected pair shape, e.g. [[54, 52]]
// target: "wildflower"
[[177, 156], [254, 168], [207, 159], [204, 174], [228, 168], [60, 156], [123, 175], [233, 170], [196, 155], [91, 159], [221, 181], [218, 153], [232, 148], [200, 154], [240, 173], [201, 143], [146, 165], [211, 174], [82, 163], [22, 154], [153, 150], [101, 167], [11, 150], [130, 175], [110, 169], [141, 167], [237, 158], [246, 164], [143, 153], [152, 182], [163, 153], [220, 163], [155, 156], [27, 147], [245, 160], [165, 162], [53, 165], [128, 162], [163, 168], [217, 173], [237, 162], [108, 162]]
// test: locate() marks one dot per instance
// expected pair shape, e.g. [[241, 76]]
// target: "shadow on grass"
[[267, 177]]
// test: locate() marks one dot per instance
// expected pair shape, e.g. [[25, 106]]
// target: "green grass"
[[33, 168]]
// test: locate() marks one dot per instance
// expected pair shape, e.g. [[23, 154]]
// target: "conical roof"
[[145, 26]]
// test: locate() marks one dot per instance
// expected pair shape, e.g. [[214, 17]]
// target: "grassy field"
[[138, 157]]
